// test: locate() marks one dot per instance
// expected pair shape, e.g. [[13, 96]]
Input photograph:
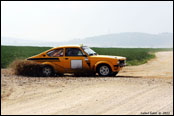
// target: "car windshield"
[[89, 51]]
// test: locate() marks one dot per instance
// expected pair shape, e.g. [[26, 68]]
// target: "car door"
[[75, 60], [56, 57]]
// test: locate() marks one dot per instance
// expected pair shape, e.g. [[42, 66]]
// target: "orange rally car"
[[78, 59]]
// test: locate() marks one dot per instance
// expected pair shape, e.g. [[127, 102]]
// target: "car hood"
[[106, 56]]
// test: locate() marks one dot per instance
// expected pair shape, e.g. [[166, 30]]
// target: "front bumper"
[[119, 66]]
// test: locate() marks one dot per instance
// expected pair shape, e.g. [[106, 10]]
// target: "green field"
[[135, 56]]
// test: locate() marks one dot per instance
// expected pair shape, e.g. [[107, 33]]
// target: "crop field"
[[11, 53], [135, 56]]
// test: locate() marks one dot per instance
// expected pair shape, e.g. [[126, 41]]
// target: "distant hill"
[[23, 42], [164, 40], [129, 39]]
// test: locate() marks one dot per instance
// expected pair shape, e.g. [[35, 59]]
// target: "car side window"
[[56, 53], [73, 52]]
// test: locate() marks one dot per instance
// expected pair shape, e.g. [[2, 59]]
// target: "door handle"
[[66, 58]]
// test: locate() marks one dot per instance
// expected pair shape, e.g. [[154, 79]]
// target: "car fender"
[[103, 62], [49, 63]]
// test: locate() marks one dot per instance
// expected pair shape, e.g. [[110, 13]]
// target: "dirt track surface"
[[144, 89]]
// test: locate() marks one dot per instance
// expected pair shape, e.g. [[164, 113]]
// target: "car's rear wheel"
[[104, 70], [47, 71]]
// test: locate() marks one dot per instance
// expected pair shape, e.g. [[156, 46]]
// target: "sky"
[[67, 20]]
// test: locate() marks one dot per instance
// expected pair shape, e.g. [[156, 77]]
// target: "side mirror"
[[85, 55]]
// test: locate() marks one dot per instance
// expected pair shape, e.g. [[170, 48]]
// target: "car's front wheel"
[[47, 71], [104, 70]]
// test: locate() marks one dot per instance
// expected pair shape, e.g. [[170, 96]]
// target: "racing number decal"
[[76, 64]]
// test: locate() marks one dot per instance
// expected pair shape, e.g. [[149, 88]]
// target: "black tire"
[[104, 70], [47, 71]]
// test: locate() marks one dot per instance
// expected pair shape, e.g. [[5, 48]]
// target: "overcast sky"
[[63, 21]]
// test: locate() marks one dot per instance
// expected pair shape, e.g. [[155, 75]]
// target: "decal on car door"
[[75, 64]]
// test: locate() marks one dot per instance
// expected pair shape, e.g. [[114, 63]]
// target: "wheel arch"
[[49, 64], [103, 63]]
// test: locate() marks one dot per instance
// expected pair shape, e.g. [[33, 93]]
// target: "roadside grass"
[[135, 56]]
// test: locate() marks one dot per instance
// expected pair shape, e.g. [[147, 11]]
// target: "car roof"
[[67, 46]]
